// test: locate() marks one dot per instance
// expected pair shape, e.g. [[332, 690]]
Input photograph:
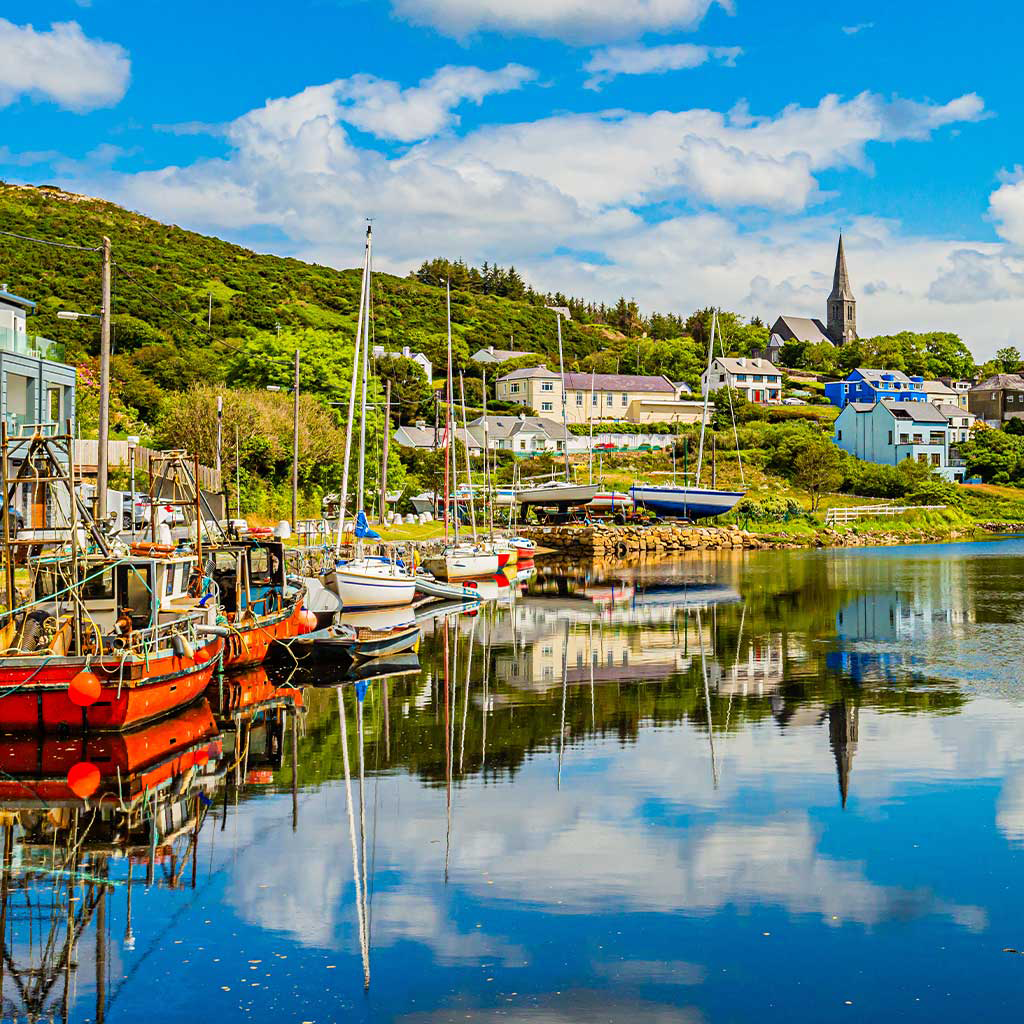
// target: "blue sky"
[[680, 151]]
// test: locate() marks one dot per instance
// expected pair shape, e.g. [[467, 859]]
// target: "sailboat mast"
[[487, 472], [450, 421], [591, 425], [361, 495], [707, 394], [352, 391], [565, 421], [465, 438]]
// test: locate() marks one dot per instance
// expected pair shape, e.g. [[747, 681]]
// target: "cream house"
[[758, 379], [598, 396]]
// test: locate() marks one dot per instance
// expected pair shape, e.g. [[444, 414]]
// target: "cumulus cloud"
[[606, 64], [649, 193], [389, 112], [61, 65], [1006, 207], [577, 22]]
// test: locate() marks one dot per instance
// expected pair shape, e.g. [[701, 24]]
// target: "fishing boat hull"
[[508, 554], [252, 637], [37, 691], [526, 549], [567, 495], [609, 501], [461, 565], [340, 641], [431, 587], [367, 584], [685, 502]]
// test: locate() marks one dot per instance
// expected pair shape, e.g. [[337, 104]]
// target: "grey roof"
[[16, 300], [508, 426], [936, 387], [949, 411], [861, 406], [919, 412], [745, 365], [525, 372], [873, 376], [841, 290], [999, 382], [804, 328], [775, 341], [617, 382], [500, 355]]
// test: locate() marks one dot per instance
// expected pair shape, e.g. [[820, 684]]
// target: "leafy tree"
[[997, 456], [1014, 426], [818, 469], [411, 395], [1009, 359]]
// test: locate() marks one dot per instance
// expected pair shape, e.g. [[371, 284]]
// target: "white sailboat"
[[696, 502], [365, 581], [458, 560]]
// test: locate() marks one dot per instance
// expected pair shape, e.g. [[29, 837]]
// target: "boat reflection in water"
[[72, 808]]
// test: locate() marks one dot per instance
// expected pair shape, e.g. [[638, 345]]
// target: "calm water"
[[785, 786]]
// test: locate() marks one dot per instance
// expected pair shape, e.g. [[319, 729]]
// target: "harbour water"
[[782, 786]]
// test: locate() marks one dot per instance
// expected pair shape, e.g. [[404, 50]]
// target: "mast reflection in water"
[[716, 789]]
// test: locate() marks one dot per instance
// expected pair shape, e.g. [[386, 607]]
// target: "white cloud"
[[389, 112], [62, 65], [1006, 207], [605, 64], [649, 192], [853, 30], [577, 22]]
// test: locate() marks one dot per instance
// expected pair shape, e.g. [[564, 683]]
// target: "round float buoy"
[[84, 689], [84, 778], [307, 620], [202, 656]]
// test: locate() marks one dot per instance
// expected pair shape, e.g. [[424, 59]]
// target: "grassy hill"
[[166, 275]]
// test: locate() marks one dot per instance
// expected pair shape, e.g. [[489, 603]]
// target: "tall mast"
[[352, 391], [707, 393], [591, 424], [465, 437], [565, 422], [487, 472], [450, 419], [361, 495]]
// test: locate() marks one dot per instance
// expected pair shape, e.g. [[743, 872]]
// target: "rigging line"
[[56, 245]]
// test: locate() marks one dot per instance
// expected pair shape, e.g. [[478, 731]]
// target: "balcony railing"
[[30, 345], [26, 426]]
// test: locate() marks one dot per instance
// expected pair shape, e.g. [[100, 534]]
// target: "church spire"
[[842, 306], [843, 731]]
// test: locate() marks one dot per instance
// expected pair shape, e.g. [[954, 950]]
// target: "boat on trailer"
[[685, 502]]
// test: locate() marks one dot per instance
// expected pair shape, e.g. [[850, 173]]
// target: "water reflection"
[[633, 793]]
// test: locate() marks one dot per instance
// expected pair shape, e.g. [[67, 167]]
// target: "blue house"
[[865, 385], [891, 432]]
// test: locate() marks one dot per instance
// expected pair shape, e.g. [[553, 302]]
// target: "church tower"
[[842, 306]]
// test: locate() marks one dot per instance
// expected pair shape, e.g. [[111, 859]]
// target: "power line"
[[47, 241]]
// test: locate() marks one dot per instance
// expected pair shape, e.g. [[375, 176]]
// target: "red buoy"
[[84, 778], [307, 620], [84, 689]]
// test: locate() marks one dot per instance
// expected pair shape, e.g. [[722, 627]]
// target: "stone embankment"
[[604, 542]]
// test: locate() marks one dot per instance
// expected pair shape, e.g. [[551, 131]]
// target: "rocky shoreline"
[[603, 542]]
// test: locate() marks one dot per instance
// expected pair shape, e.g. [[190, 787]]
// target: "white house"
[[960, 422], [417, 357], [491, 356], [758, 379]]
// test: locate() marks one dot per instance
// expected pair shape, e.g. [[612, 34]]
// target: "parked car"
[[605, 446], [793, 401]]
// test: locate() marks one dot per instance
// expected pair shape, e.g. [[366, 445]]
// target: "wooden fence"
[[87, 454], [848, 515]]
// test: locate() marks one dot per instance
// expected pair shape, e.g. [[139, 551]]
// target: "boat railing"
[[150, 639]]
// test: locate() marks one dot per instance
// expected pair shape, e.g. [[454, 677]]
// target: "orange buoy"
[[84, 778], [84, 689], [307, 620]]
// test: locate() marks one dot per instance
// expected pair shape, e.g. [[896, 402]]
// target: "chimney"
[[406, 352], [421, 424], [490, 348]]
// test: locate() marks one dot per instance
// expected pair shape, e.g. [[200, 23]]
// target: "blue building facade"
[[891, 432], [868, 386]]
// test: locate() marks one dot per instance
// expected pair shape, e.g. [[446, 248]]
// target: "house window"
[[547, 385], [919, 439], [741, 376], [579, 397], [995, 394], [839, 435], [522, 446], [593, 400], [935, 459], [546, 406], [922, 457], [625, 400], [890, 437], [1009, 398], [514, 389], [609, 400], [937, 437], [905, 439]]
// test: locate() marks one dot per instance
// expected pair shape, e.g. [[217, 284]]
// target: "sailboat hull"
[[558, 494], [460, 565], [685, 502], [366, 584]]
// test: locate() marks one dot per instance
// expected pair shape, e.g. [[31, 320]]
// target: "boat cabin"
[[250, 576], [146, 591]]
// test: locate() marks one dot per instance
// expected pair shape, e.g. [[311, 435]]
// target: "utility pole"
[[104, 431], [209, 313], [384, 449], [295, 446]]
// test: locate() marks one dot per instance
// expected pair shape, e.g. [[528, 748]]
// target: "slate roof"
[[999, 382], [526, 372], [936, 387], [737, 365], [949, 411], [919, 412], [805, 328], [618, 382], [508, 426], [873, 376], [501, 355]]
